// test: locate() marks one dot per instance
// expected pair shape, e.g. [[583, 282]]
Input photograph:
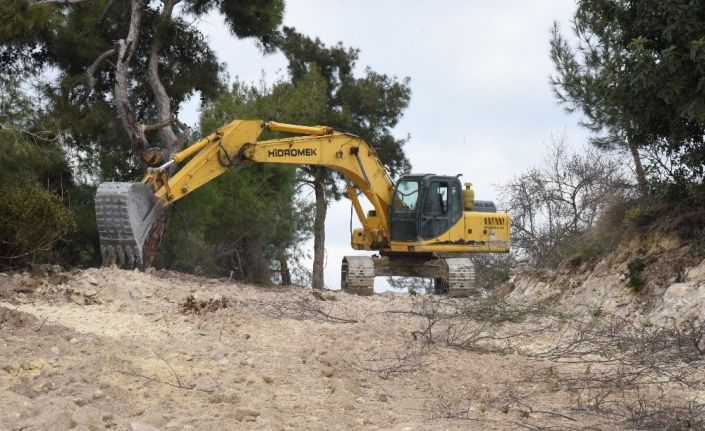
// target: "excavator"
[[425, 225]]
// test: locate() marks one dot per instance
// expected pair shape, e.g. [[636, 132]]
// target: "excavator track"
[[124, 214], [461, 277], [453, 276], [358, 275]]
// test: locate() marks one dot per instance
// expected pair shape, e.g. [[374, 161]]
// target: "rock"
[[55, 350], [73, 340], [141, 426], [382, 398], [243, 414], [216, 398], [268, 379], [328, 371], [232, 398], [251, 379], [88, 416], [205, 383], [153, 418], [174, 424]]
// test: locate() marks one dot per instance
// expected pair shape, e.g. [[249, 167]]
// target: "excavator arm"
[[125, 212]]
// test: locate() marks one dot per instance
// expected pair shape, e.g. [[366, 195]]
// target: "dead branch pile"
[[304, 306]]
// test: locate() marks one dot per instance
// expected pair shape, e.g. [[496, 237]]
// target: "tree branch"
[[161, 98], [93, 68], [126, 49], [105, 11], [152, 127]]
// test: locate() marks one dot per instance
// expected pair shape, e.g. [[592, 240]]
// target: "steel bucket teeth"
[[125, 213]]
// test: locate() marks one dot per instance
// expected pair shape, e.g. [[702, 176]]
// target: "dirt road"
[[125, 350]]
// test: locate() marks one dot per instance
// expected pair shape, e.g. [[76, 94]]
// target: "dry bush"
[[408, 360], [487, 325], [640, 376], [451, 405], [553, 204], [631, 354], [304, 306], [616, 372], [191, 305]]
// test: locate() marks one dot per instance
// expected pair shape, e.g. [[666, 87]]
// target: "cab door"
[[435, 211]]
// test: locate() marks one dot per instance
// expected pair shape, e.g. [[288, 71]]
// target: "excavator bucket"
[[125, 213]]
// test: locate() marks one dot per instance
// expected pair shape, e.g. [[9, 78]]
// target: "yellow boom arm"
[[320, 146]]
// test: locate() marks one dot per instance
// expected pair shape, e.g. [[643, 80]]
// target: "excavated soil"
[[126, 350]]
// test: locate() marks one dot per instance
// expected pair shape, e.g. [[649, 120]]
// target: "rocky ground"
[[126, 350]]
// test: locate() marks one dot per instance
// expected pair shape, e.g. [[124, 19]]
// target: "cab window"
[[456, 203], [436, 203], [406, 196]]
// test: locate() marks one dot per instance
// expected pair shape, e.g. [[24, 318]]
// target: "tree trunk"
[[638, 168], [284, 271], [319, 228], [150, 249]]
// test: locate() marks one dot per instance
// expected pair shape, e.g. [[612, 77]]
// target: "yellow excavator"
[[425, 225]]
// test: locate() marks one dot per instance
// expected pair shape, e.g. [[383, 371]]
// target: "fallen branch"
[[42, 325]]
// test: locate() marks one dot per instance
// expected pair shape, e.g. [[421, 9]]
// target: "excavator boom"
[[126, 212]]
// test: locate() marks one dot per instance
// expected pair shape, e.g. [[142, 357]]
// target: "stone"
[[173, 424], [216, 398], [232, 398], [205, 383], [382, 398], [153, 418], [243, 413], [88, 416], [142, 426], [328, 371], [268, 379], [97, 394]]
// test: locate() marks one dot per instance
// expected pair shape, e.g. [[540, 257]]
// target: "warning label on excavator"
[[292, 152]]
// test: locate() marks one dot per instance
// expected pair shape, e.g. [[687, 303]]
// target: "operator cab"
[[424, 206]]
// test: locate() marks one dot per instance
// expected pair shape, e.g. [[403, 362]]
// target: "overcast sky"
[[481, 105]]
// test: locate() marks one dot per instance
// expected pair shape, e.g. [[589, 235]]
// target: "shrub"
[[33, 219], [635, 269]]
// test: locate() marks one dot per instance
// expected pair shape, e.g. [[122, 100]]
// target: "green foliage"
[[80, 248], [368, 106], [595, 311], [635, 268], [246, 18], [591, 247], [637, 75], [641, 215], [248, 220], [33, 219]]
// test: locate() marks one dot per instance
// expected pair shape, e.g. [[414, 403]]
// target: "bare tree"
[[563, 197]]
